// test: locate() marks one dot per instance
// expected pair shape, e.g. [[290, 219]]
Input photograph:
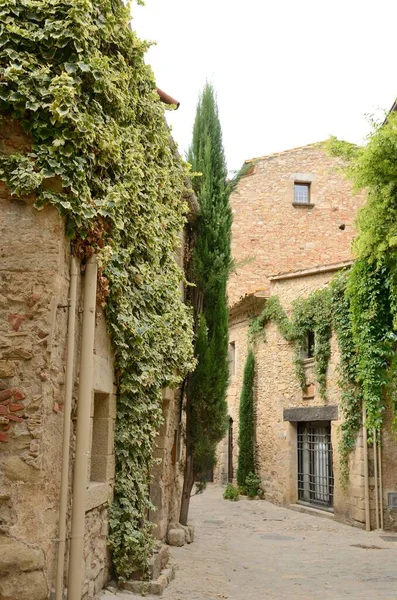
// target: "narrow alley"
[[252, 550]]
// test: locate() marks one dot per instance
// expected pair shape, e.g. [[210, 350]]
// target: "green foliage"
[[73, 74], [201, 486], [246, 437], [314, 314], [351, 394], [252, 483], [372, 284], [210, 267], [231, 493], [311, 314]]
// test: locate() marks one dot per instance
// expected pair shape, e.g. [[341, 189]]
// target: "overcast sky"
[[287, 72]]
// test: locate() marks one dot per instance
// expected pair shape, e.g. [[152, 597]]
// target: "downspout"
[[380, 479], [366, 477], [66, 431], [76, 558], [376, 480]]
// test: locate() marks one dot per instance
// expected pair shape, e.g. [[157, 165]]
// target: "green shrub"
[[231, 493], [252, 483]]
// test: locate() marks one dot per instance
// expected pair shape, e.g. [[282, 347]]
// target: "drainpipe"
[[66, 431], [376, 480], [76, 559], [366, 477], [380, 479]]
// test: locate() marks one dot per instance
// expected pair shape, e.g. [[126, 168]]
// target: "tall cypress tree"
[[206, 408], [246, 456]]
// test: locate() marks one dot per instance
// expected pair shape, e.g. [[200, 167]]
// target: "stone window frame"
[[308, 351], [101, 449], [306, 179]]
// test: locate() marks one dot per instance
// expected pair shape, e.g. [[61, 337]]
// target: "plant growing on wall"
[[322, 312], [371, 287], [73, 75], [311, 314], [351, 394], [206, 409], [246, 436]]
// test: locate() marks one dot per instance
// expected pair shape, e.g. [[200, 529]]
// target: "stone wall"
[[34, 275], [239, 320], [34, 283], [270, 235], [166, 487], [290, 251], [278, 388]]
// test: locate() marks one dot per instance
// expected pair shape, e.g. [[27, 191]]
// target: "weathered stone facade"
[[290, 251], [34, 304], [271, 234]]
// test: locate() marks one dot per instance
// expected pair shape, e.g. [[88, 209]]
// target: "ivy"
[[372, 284], [351, 393], [73, 74], [322, 312], [312, 314]]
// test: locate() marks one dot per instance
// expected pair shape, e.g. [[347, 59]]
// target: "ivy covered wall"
[[73, 75]]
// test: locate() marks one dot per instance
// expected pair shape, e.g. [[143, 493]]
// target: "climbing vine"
[[312, 314], [372, 284], [351, 394], [73, 75], [322, 312]]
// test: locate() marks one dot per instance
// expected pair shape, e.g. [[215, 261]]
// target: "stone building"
[[41, 287], [293, 227]]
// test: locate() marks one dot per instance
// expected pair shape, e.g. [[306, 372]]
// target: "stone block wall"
[[166, 487], [278, 388], [34, 284], [239, 321], [270, 235], [34, 290]]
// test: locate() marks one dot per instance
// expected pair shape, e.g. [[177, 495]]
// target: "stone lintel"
[[311, 413], [312, 271]]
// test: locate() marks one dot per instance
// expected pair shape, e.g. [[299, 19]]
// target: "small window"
[[310, 345], [232, 358], [302, 193], [101, 426]]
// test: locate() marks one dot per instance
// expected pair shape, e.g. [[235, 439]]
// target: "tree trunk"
[[188, 476], [188, 482]]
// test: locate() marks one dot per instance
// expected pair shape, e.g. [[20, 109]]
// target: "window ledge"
[[302, 205], [97, 493], [308, 362]]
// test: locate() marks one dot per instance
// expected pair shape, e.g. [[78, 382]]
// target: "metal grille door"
[[315, 471]]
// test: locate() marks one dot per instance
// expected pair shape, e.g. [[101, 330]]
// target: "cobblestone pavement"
[[253, 550]]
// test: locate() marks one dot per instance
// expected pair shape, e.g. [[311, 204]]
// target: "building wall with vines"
[[86, 161], [279, 388], [291, 255]]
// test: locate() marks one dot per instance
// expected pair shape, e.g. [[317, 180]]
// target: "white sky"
[[287, 72]]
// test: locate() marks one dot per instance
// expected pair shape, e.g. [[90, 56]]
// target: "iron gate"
[[315, 471]]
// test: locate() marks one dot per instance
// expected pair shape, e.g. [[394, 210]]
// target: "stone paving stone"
[[253, 550]]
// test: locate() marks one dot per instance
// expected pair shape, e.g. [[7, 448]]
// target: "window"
[[310, 344], [308, 348], [232, 358], [102, 439], [315, 464], [302, 193]]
